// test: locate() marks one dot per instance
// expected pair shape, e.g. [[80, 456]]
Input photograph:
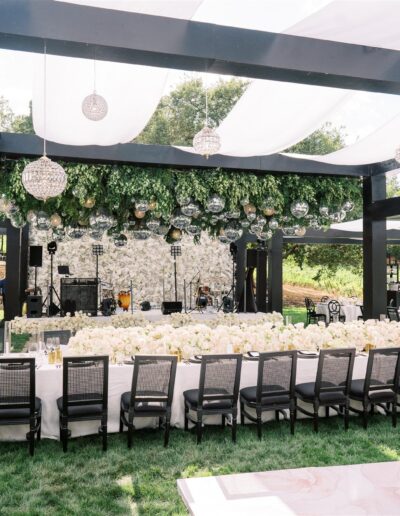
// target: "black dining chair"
[[217, 394], [18, 402], [393, 313], [85, 394], [324, 299], [361, 317], [275, 389], [312, 316], [334, 312], [380, 386], [151, 394], [331, 387]]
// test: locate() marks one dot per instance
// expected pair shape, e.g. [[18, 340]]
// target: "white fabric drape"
[[356, 226]]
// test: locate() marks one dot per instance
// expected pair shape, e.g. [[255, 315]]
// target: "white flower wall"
[[146, 263]]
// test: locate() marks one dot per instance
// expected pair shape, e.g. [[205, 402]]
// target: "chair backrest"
[[335, 366], [219, 377], [17, 383], [334, 307], [382, 369], [153, 379], [324, 299], [276, 374], [392, 313], [85, 381], [309, 304]]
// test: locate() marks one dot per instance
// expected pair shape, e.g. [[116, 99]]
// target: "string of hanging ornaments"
[[94, 106], [44, 178], [207, 141]]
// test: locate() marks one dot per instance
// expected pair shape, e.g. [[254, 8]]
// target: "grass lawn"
[[142, 480], [298, 314]]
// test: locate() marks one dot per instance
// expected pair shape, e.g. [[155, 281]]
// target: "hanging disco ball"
[[261, 221], [273, 224], [324, 211], [94, 107], [288, 231], [31, 217], [314, 224], [251, 217], [43, 221], [101, 220], [75, 232], [245, 224], [249, 208], [299, 231], [207, 142], [141, 234], [162, 230], [299, 209], [58, 234], [96, 234], [265, 235], [55, 220], [190, 209], [215, 204], [232, 232], [268, 207], [176, 234], [88, 203], [180, 221], [235, 214], [153, 224], [44, 178], [193, 229], [17, 220], [120, 240], [142, 205], [337, 216], [254, 229], [348, 206]]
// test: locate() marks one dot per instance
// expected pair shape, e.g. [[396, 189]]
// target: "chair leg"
[[292, 412], [104, 432], [39, 428], [276, 415], [234, 425], [186, 419], [160, 422], [130, 435], [121, 423], [64, 434], [242, 416], [326, 411], [346, 415], [199, 427], [31, 437], [315, 419], [394, 414], [372, 410], [223, 420], [259, 424], [167, 427], [365, 416]]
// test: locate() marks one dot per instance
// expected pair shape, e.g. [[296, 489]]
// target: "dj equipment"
[[171, 307], [63, 270], [202, 301], [35, 255], [82, 292], [34, 306], [145, 306]]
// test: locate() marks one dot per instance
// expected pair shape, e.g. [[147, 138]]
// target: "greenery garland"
[[114, 188]]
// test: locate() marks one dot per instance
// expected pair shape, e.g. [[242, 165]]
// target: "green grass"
[[343, 282], [298, 314], [142, 480]]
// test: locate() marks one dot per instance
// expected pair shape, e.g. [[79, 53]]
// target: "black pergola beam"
[[81, 31], [381, 209], [13, 145]]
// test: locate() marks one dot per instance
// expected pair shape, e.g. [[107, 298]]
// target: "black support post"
[[275, 273], [16, 270], [374, 247]]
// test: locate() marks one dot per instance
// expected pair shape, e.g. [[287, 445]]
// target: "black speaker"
[[79, 293], [35, 255], [171, 307], [34, 306]]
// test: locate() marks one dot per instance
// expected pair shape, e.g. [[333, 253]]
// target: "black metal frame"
[[199, 408], [318, 389], [35, 417], [392, 313], [162, 412], [312, 316], [65, 417], [334, 311], [384, 402], [260, 395]]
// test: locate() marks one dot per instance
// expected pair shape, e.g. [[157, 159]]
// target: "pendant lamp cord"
[[44, 97], [206, 106]]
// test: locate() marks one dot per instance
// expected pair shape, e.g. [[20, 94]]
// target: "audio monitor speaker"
[[35, 255], [34, 306], [171, 307]]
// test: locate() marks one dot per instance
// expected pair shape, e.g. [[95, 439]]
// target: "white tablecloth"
[[351, 312], [49, 388]]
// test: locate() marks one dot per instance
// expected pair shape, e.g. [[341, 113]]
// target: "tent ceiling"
[[270, 116]]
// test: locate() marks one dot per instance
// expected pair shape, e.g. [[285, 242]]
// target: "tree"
[[322, 141], [181, 114], [23, 123], [6, 115]]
